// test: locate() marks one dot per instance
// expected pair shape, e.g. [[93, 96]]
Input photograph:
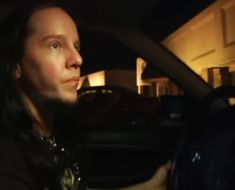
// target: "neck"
[[42, 115]]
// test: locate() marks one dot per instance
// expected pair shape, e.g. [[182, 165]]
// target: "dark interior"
[[120, 128]]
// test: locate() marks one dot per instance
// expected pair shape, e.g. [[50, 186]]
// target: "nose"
[[74, 60]]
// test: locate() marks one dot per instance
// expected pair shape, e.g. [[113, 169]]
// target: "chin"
[[70, 99]]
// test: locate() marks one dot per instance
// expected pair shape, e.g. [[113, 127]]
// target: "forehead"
[[51, 20]]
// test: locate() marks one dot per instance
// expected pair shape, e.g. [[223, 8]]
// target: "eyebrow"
[[58, 36]]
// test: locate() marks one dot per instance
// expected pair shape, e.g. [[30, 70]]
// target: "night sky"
[[101, 52]]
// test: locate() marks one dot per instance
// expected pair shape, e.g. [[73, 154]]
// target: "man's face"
[[50, 67]]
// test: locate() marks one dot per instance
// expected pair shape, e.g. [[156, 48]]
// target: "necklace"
[[70, 178]]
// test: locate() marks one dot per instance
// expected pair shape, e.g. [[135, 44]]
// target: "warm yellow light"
[[97, 79]]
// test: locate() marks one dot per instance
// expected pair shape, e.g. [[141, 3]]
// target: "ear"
[[17, 71]]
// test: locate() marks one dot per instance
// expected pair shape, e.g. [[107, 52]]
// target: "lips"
[[72, 81]]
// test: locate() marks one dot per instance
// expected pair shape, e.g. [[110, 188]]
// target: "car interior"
[[122, 135]]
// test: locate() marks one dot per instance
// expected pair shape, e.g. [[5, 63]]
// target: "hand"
[[157, 182]]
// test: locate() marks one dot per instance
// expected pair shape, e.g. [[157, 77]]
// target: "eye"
[[55, 45], [77, 47]]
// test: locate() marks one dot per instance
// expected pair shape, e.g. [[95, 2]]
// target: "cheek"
[[51, 70], [52, 65], [43, 66]]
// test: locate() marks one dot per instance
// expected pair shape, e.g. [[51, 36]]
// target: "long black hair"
[[14, 117]]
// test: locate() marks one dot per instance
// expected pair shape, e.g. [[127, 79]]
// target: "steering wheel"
[[205, 158]]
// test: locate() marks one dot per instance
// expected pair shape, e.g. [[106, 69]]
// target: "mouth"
[[73, 82]]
